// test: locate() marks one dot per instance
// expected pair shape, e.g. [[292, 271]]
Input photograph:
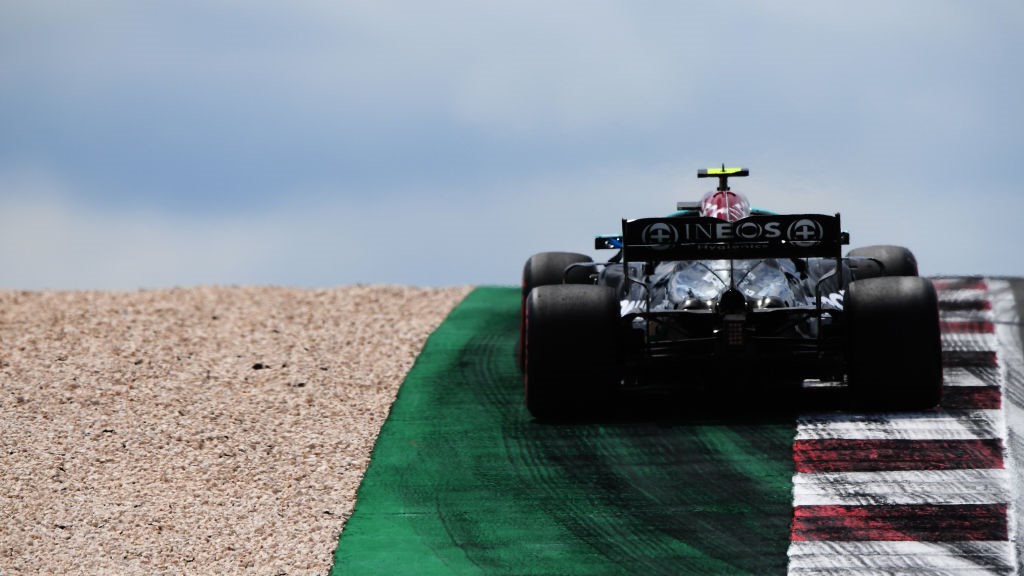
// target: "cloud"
[[440, 237], [392, 141], [48, 241]]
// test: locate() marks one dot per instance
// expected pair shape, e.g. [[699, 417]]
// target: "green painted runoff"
[[463, 480]]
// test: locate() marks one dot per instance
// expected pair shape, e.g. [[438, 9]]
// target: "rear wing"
[[762, 236]]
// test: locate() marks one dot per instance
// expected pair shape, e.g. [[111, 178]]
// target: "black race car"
[[720, 296]]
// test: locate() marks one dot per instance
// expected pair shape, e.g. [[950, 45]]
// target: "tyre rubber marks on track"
[[922, 493]]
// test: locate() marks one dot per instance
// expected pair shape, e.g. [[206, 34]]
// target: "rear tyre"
[[882, 260], [570, 350], [545, 269], [894, 351]]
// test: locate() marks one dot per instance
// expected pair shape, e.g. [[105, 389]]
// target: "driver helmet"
[[725, 205]]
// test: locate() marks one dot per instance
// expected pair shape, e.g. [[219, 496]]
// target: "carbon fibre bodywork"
[[709, 301]]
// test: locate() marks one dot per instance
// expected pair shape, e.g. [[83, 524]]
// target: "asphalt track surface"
[[464, 481]]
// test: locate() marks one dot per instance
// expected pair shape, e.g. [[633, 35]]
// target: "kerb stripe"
[[972, 397], [947, 284], [968, 358], [978, 558], [967, 327], [926, 522], [954, 305], [852, 455]]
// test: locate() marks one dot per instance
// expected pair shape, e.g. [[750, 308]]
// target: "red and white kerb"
[[913, 493]]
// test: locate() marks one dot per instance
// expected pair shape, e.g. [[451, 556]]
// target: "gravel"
[[195, 431]]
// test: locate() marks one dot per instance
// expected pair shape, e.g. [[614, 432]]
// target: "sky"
[[319, 143]]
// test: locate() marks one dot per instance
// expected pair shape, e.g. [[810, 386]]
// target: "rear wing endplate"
[[769, 236]]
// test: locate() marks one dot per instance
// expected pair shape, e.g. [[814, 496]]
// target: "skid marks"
[[925, 492]]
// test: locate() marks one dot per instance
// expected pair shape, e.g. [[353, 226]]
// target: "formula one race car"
[[721, 296]]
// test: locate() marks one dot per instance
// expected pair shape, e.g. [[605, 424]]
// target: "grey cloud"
[[280, 135]]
